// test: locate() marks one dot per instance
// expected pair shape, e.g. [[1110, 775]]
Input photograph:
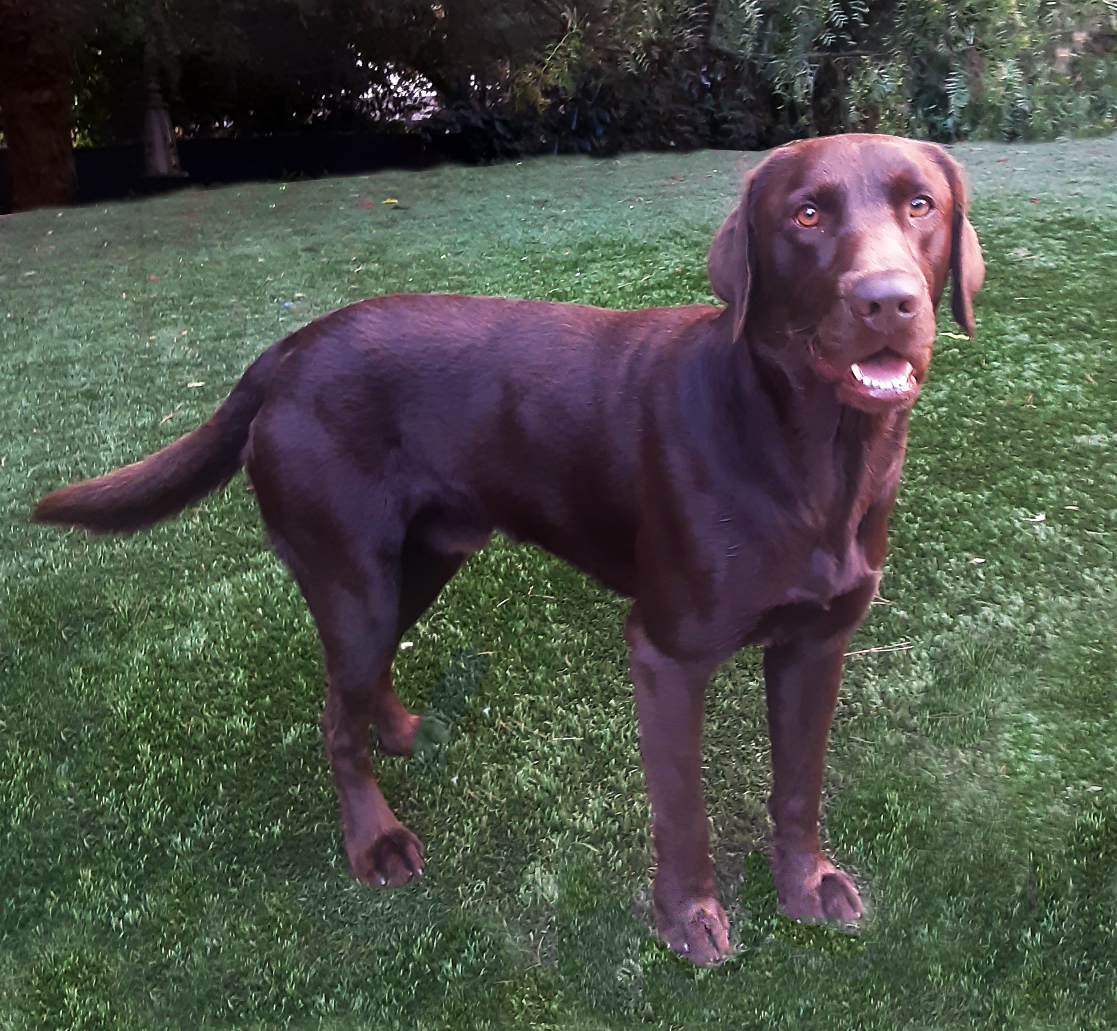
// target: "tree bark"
[[160, 150], [36, 104]]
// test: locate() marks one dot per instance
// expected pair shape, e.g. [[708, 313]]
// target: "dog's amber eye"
[[807, 216], [920, 206]]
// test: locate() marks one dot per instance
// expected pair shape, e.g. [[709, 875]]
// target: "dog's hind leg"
[[424, 571], [359, 635], [358, 640], [348, 567]]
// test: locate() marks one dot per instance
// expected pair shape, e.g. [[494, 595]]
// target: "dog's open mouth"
[[884, 376]]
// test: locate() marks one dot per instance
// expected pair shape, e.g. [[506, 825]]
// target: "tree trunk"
[[160, 150], [36, 104]]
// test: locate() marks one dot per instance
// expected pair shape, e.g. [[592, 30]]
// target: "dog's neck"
[[812, 421]]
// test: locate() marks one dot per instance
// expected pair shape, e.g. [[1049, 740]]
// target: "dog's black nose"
[[886, 300]]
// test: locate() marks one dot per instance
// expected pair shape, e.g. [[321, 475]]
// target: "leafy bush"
[[748, 73], [1014, 69], [625, 76], [508, 77]]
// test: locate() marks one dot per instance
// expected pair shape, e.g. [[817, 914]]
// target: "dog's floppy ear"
[[729, 263], [967, 267]]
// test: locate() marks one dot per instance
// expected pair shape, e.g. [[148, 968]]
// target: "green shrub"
[[752, 73], [1012, 69]]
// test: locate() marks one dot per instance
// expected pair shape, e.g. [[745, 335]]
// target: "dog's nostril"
[[880, 297]]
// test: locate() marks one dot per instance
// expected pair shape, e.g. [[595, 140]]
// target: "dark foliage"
[[499, 78]]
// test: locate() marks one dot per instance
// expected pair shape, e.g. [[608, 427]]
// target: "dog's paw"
[[397, 735], [813, 890], [697, 930], [394, 858]]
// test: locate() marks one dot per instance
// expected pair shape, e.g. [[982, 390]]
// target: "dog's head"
[[836, 257]]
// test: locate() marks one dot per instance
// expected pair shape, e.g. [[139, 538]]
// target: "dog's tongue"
[[885, 365]]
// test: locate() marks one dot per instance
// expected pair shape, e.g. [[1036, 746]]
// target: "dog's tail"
[[163, 484]]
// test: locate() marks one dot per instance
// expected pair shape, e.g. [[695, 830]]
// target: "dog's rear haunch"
[[730, 469]]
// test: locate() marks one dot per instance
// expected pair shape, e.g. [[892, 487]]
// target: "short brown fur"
[[723, 467]]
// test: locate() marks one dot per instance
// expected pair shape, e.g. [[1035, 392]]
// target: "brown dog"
[[729, 469]]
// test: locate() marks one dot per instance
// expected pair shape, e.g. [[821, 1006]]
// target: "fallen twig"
[[900, 646]]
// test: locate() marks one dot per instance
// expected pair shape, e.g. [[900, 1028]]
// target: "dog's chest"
[[824, 574]]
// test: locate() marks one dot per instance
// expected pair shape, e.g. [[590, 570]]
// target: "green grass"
[[169, 845]]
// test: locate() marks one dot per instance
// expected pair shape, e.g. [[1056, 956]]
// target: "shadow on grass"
[[448, 703]]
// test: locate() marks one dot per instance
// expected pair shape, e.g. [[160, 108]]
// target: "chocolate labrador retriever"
[[730, 470]]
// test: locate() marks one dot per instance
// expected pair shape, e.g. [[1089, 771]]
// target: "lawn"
[[170, 854]]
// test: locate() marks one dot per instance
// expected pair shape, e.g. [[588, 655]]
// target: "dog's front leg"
[[801, 678], [669, 701]]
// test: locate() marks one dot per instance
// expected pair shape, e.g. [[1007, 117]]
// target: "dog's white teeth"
[[898, 382]]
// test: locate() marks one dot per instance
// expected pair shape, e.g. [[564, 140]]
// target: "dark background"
[[271, 88]]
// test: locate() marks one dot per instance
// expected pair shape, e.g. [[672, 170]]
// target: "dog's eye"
[[807, 216], [920, 206]]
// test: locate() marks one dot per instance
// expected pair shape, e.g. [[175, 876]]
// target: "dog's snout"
[[886, 300]]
